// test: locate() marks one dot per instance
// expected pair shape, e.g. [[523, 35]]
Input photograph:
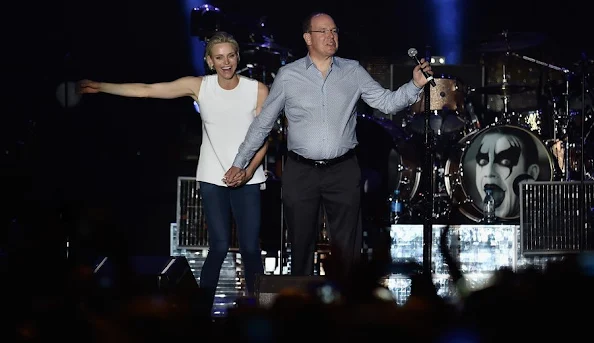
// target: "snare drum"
[[501, 156]]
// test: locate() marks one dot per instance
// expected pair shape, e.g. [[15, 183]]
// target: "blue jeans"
[[218, 203]]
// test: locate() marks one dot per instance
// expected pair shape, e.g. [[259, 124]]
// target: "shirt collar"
[[309, 62]]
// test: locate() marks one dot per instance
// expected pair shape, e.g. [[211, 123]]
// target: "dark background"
[[106, 169]]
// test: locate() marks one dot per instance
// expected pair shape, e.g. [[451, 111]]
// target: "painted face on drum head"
[[500, 160]]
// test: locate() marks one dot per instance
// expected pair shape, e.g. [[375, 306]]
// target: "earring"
[[211, 67]]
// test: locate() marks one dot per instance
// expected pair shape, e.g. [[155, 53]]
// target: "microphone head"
[[412, 52]]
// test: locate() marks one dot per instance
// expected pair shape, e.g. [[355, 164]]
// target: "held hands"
[[88, 87], [418, 78], [236, 177]]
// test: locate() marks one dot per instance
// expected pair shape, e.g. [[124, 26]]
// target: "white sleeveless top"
[[226, 116]]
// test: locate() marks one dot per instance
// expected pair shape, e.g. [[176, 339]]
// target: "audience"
[[547, 304]]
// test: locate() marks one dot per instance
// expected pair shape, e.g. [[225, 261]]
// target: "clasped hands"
[[235, 177]]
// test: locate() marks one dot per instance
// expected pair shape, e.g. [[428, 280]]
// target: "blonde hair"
[[218, 38]]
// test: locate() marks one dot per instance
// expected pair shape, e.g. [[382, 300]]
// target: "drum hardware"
[[507, 42], [441, 198], [266, 58], [450, 119], [529, 119], [248, 66], [263, 57], [389, 159], [270, 47], [583, 221], [506, 89], [544, 64], [553, 67], [567, 73]]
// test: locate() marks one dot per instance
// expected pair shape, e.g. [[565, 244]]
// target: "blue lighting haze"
[[448, 25], [195, 44]]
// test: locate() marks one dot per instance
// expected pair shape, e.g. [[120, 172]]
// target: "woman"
[[228, 104]]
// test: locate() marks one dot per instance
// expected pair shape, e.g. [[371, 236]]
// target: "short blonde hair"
[[218, 38]]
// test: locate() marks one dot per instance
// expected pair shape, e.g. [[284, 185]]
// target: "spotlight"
[[438, 60]]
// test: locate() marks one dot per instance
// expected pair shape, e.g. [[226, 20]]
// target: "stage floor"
[[480, 249]]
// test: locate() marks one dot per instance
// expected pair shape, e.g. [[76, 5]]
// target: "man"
[[505, 157], [319, 93]]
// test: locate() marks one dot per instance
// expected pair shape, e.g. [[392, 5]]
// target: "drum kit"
[[474, 146]]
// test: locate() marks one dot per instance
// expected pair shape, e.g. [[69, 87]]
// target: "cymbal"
[[504, 88], [509, 41], [268, 47]]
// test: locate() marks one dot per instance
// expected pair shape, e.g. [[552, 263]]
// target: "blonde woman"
[[228, 104]]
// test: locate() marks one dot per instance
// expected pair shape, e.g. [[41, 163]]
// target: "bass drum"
[[388, 161], [501, 156]]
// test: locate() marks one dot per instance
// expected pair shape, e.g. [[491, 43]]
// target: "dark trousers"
[[219, 202], [337, 188]]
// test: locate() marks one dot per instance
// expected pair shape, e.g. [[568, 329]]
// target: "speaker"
[[168, 278], [268, 286], [158, 295], [145, 274]]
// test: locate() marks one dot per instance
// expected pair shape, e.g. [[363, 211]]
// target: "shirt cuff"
[[413, 92], [239, 162], [412, 82]]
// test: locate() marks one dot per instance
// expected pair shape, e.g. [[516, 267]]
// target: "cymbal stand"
[[565, 125], [544, 64], [583, 221], [504, 80], [505, 96]]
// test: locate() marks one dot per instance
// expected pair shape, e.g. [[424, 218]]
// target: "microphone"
[[517, 180], [412, 53]]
